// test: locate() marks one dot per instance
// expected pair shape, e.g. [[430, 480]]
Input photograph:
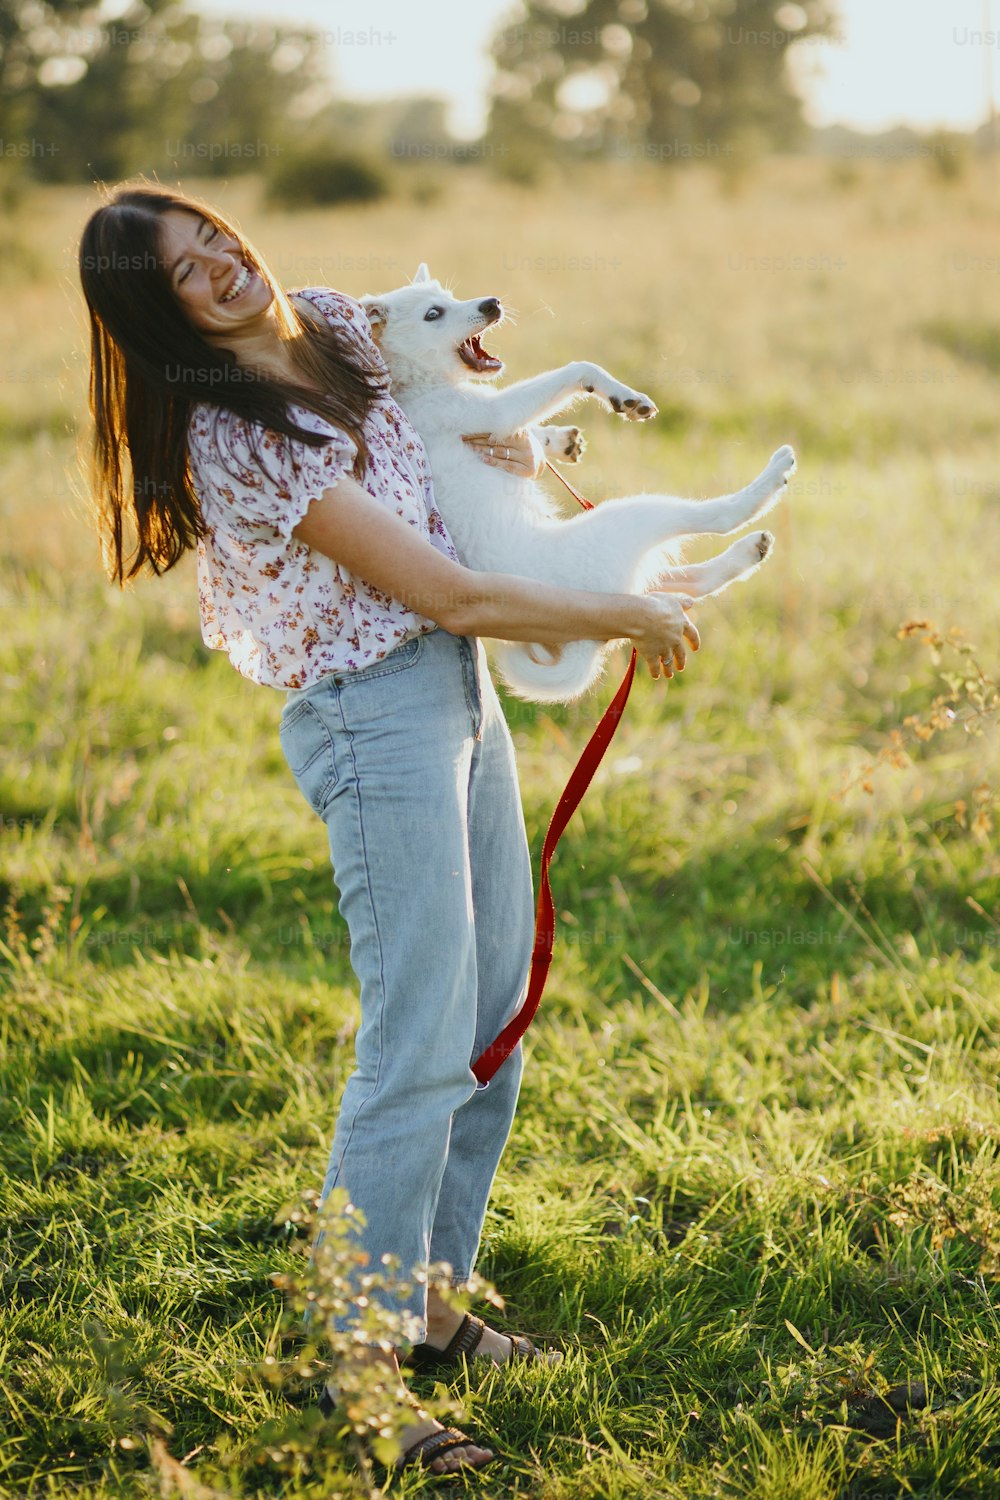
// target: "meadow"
[[752, 1187]]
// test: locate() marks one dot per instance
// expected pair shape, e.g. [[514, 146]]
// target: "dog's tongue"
[[476, 357]]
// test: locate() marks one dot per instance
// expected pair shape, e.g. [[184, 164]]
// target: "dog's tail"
[[527, 674]]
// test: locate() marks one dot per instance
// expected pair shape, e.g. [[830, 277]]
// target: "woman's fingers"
[[519, 453], [490, 440], [690, 628], [681, 630]]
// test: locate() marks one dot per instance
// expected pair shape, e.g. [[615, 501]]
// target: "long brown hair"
[[149, 366]]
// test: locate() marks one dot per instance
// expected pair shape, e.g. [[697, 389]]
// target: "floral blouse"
[[285, 613]]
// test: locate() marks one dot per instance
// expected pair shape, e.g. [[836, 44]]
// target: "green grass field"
[[753, 1181]]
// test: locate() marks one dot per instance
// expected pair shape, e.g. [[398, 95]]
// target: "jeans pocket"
[[307, 746], [397, 660]]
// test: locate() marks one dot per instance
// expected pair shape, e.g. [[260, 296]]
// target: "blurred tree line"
[[100, 90], [104, 89], [661, 79]]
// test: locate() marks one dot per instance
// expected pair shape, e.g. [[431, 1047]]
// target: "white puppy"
[[431, 344]]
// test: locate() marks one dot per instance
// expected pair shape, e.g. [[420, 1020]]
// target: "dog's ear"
[[377, 314], [422, 273]]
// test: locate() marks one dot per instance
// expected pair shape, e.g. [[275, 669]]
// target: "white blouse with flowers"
[[285, 613]]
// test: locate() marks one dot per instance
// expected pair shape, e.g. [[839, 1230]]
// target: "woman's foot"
[[444, 1321], [467, 1456]]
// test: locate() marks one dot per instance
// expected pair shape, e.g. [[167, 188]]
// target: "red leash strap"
[[545, 916]]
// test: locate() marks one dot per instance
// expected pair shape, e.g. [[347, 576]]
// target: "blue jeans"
[[410, 764]]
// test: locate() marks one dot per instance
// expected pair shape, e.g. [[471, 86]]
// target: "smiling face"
[[423, 330], [219, 292]]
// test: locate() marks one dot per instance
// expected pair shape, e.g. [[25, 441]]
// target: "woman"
[[261, 432]]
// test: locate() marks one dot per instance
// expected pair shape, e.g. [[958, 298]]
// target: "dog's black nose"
[[491, 308]]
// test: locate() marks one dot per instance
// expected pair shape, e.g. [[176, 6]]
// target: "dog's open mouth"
[[476, 357]]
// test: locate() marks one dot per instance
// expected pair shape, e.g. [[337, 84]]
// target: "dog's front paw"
[[763, 541], [632, 405], [565, 444], [568, 445]]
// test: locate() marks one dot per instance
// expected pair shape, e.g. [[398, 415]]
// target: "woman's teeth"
[[243, 277]]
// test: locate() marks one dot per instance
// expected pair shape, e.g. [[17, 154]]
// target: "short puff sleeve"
[[259, 504], [347, 315]]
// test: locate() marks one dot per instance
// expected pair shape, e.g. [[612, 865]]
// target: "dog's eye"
[[432, 313]]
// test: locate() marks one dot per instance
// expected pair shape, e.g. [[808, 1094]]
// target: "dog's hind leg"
[[706, 578], [730, 512], [651, 519], [609, 546]]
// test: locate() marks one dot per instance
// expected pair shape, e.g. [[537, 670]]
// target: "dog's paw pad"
[[639, 408], [574, 445], [764, 542], [632, 405], [783, 462]]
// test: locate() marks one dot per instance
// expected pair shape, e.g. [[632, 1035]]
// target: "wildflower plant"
[[371, 1408], [969, 701]]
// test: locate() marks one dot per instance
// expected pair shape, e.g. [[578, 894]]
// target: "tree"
[[660, 78], [92, 90]]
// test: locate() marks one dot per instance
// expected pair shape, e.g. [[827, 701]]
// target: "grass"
[[752, 1184], [970, 341]]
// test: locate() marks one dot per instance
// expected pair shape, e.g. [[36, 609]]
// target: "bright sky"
[[916, 62]]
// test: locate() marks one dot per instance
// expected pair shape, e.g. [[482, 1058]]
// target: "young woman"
[[260, 431]]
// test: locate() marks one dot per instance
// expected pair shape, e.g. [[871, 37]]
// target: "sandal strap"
[[466, 1338], [426, 1449]]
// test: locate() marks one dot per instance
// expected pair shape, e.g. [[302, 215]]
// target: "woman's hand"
[[520, 454], [662, 639]]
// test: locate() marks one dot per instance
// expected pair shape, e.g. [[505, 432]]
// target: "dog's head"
[[428, 337]]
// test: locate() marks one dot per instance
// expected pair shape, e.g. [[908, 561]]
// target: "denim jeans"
[[410, 764]]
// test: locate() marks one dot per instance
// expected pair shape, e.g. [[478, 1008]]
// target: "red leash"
[[545, 916]]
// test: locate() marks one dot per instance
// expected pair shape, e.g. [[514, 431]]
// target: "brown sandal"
[[462, 1345], [425, 1450]]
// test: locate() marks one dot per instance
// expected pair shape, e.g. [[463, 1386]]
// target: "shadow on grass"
[[720, 914]]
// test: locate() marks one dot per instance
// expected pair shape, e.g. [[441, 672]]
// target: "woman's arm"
[[347, 525]]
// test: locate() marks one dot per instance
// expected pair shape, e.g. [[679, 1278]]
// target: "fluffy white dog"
[[440, 373]]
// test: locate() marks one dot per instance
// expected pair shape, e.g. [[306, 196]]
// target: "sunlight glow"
[[890, 62]]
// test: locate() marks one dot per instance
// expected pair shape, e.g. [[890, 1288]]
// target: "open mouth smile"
[[238, 285], [476, 357]]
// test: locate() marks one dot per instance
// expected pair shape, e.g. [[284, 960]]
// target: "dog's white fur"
[[503, 524]]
